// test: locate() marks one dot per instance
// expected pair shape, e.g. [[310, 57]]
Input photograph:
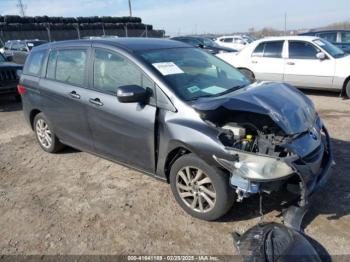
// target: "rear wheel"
[[201, 190], [45, 135], [249, 74]]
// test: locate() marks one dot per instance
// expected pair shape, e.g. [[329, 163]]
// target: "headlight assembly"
[[256, 167]]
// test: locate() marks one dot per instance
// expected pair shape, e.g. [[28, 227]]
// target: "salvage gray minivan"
[[179, 114]]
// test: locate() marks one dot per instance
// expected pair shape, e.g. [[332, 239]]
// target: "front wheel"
[[201, 190]]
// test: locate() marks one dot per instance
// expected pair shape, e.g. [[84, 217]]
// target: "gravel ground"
[[76, 203]]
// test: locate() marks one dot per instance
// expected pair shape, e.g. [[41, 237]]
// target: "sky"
[[178, 17]]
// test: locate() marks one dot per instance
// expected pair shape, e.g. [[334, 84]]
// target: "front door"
[[122, 131], [304, 69]]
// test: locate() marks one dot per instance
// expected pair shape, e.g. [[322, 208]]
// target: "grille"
[[8, 74]]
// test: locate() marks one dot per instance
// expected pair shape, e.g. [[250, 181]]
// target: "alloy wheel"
[[43, 133], [196, 189]]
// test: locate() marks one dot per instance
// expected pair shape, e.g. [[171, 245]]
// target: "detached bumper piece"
[[274, 242], [314, 169]]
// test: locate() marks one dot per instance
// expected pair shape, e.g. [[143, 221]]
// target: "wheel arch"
[[172, 156], [32, 115], [346, 81]]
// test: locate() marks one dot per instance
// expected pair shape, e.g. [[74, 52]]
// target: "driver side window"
[[112, 70], [302, 50]]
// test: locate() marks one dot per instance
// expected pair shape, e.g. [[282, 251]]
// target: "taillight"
[[21, 89]]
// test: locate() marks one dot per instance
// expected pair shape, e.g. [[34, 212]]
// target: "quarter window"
[[34, 63], [112, 71], [272, 49], [302, 50], [67, 66]]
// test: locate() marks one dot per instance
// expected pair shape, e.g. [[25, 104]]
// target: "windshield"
[[249, 39], [193, 73], [331, 49], [2, 58]]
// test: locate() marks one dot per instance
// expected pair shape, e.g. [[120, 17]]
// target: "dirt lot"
[[76, 203]]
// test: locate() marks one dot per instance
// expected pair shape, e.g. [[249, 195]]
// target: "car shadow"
[[336, 190], [323, 93], [68, 150], [9, 104]]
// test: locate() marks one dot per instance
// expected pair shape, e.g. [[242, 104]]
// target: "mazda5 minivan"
[[179, 114]]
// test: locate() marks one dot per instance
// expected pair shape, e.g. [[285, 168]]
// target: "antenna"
[[21, 7], [285, 23], [130, 11]]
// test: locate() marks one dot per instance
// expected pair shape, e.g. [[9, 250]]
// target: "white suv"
[[303, 61]]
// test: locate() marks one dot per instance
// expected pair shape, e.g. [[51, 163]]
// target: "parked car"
[[205, 43], [177, 113], [303, 61], [340, 38], [9, 77], [237, 42], [18, 50]]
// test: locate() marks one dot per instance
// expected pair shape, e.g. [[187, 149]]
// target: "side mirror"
[[201, 46], [132, 94], [321, 56]]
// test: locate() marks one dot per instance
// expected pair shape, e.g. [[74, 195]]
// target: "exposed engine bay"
[[247, 137]]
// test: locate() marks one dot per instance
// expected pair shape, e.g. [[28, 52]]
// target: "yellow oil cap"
[[249, 137]]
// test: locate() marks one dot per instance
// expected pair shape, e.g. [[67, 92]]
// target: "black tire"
[[224, 198], [347, 90], [249, 74], [55, 145]]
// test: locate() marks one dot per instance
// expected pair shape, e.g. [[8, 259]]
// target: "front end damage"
[[253, 172], [274, 140]]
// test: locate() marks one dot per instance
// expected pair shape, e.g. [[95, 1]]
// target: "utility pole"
[[21, 7], [285, 23], [130, 11]]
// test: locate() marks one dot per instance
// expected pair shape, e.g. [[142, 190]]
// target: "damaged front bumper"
[[310, 166]]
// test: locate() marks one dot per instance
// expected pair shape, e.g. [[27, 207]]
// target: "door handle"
[[96, 101], [290, 63], [74, 94], [254, 62]]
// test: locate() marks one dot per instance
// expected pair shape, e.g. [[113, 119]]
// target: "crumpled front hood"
[[288, 107]]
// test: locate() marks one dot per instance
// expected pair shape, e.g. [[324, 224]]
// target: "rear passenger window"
[[271, 49], [67, 66], [34, 63], [112, 71]]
